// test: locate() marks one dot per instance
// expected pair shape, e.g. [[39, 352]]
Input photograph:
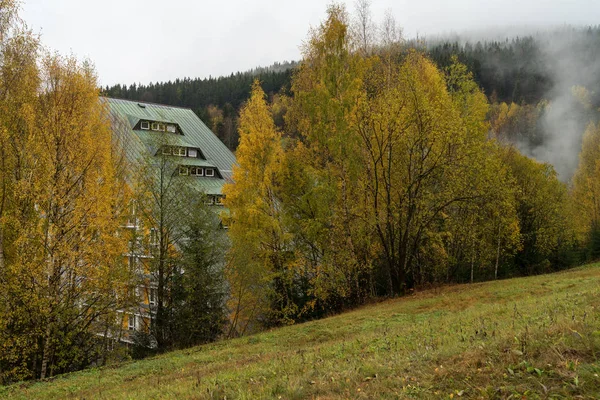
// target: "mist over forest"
[[536, 71], [545, 70]]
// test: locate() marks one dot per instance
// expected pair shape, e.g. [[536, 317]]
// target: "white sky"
[[156, 40]]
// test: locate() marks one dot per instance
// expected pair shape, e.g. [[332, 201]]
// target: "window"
[[155, 126], [145, 125], [197, 171], [179, 151], [210, 172], [153, 236], [131, 219], [161, 127], [131, 322], [171, 128], [166, 150], [183, 170], [219, 200], [152, 296], [192, 153]]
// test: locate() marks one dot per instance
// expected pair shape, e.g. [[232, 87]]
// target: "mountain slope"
[[532, 337]]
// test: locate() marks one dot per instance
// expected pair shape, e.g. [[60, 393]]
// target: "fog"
[[568, 57], [572, 63]]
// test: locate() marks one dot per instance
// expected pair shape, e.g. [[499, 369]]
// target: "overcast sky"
[[157, 40]]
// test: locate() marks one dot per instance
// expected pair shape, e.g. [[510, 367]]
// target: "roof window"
[[179, 151], [197, 171], [145, 125]]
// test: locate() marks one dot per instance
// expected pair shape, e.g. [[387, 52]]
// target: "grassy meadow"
[[536, 337]]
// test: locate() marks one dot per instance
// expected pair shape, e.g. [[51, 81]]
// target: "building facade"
[[196, 157]]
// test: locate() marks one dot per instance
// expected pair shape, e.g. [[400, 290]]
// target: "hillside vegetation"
[[375, 171], [535, 337]]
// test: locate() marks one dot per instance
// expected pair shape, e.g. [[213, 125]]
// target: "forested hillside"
[[215, 100], [302, 245], [374, 168], [521, 76], [528, 68]]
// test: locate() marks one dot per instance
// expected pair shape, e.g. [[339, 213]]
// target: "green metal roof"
[[192, 162], [126, 114], [155, 140], [205, 185]]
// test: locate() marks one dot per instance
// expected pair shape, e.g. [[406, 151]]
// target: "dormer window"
[[171, 128], [166, 150], [210, 172], [155, 126], [145, 125], [161, 127], [197, 171], [154, 236], [183, 170], [179, 151], [192, 153]]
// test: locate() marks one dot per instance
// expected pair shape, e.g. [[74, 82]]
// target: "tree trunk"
[[1, 249], [472, 258], [497, 255], [45, 353]]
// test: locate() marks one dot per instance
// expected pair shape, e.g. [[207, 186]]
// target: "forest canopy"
[[389, 173]]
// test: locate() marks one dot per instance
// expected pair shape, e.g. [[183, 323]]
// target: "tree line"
[[524, 70], [215, 100], [387, 176]]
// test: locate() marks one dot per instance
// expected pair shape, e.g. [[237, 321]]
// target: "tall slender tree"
[[258, 267]]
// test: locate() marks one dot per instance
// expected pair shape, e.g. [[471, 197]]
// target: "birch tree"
[[64, 278]]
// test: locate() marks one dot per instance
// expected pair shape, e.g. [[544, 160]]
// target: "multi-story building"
[[195, 155]]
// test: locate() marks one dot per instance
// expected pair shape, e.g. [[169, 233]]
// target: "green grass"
[[536, 337]]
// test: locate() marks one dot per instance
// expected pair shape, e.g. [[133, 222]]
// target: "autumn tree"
[[586, 191], [19, 82], [18, 85], [258, 265], [543, 212], [487, 226], [326, 206], [363, 27], [385, 180], [423, 143], [64, 274]]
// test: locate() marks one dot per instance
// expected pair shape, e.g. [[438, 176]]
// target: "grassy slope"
[[534, 336]]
